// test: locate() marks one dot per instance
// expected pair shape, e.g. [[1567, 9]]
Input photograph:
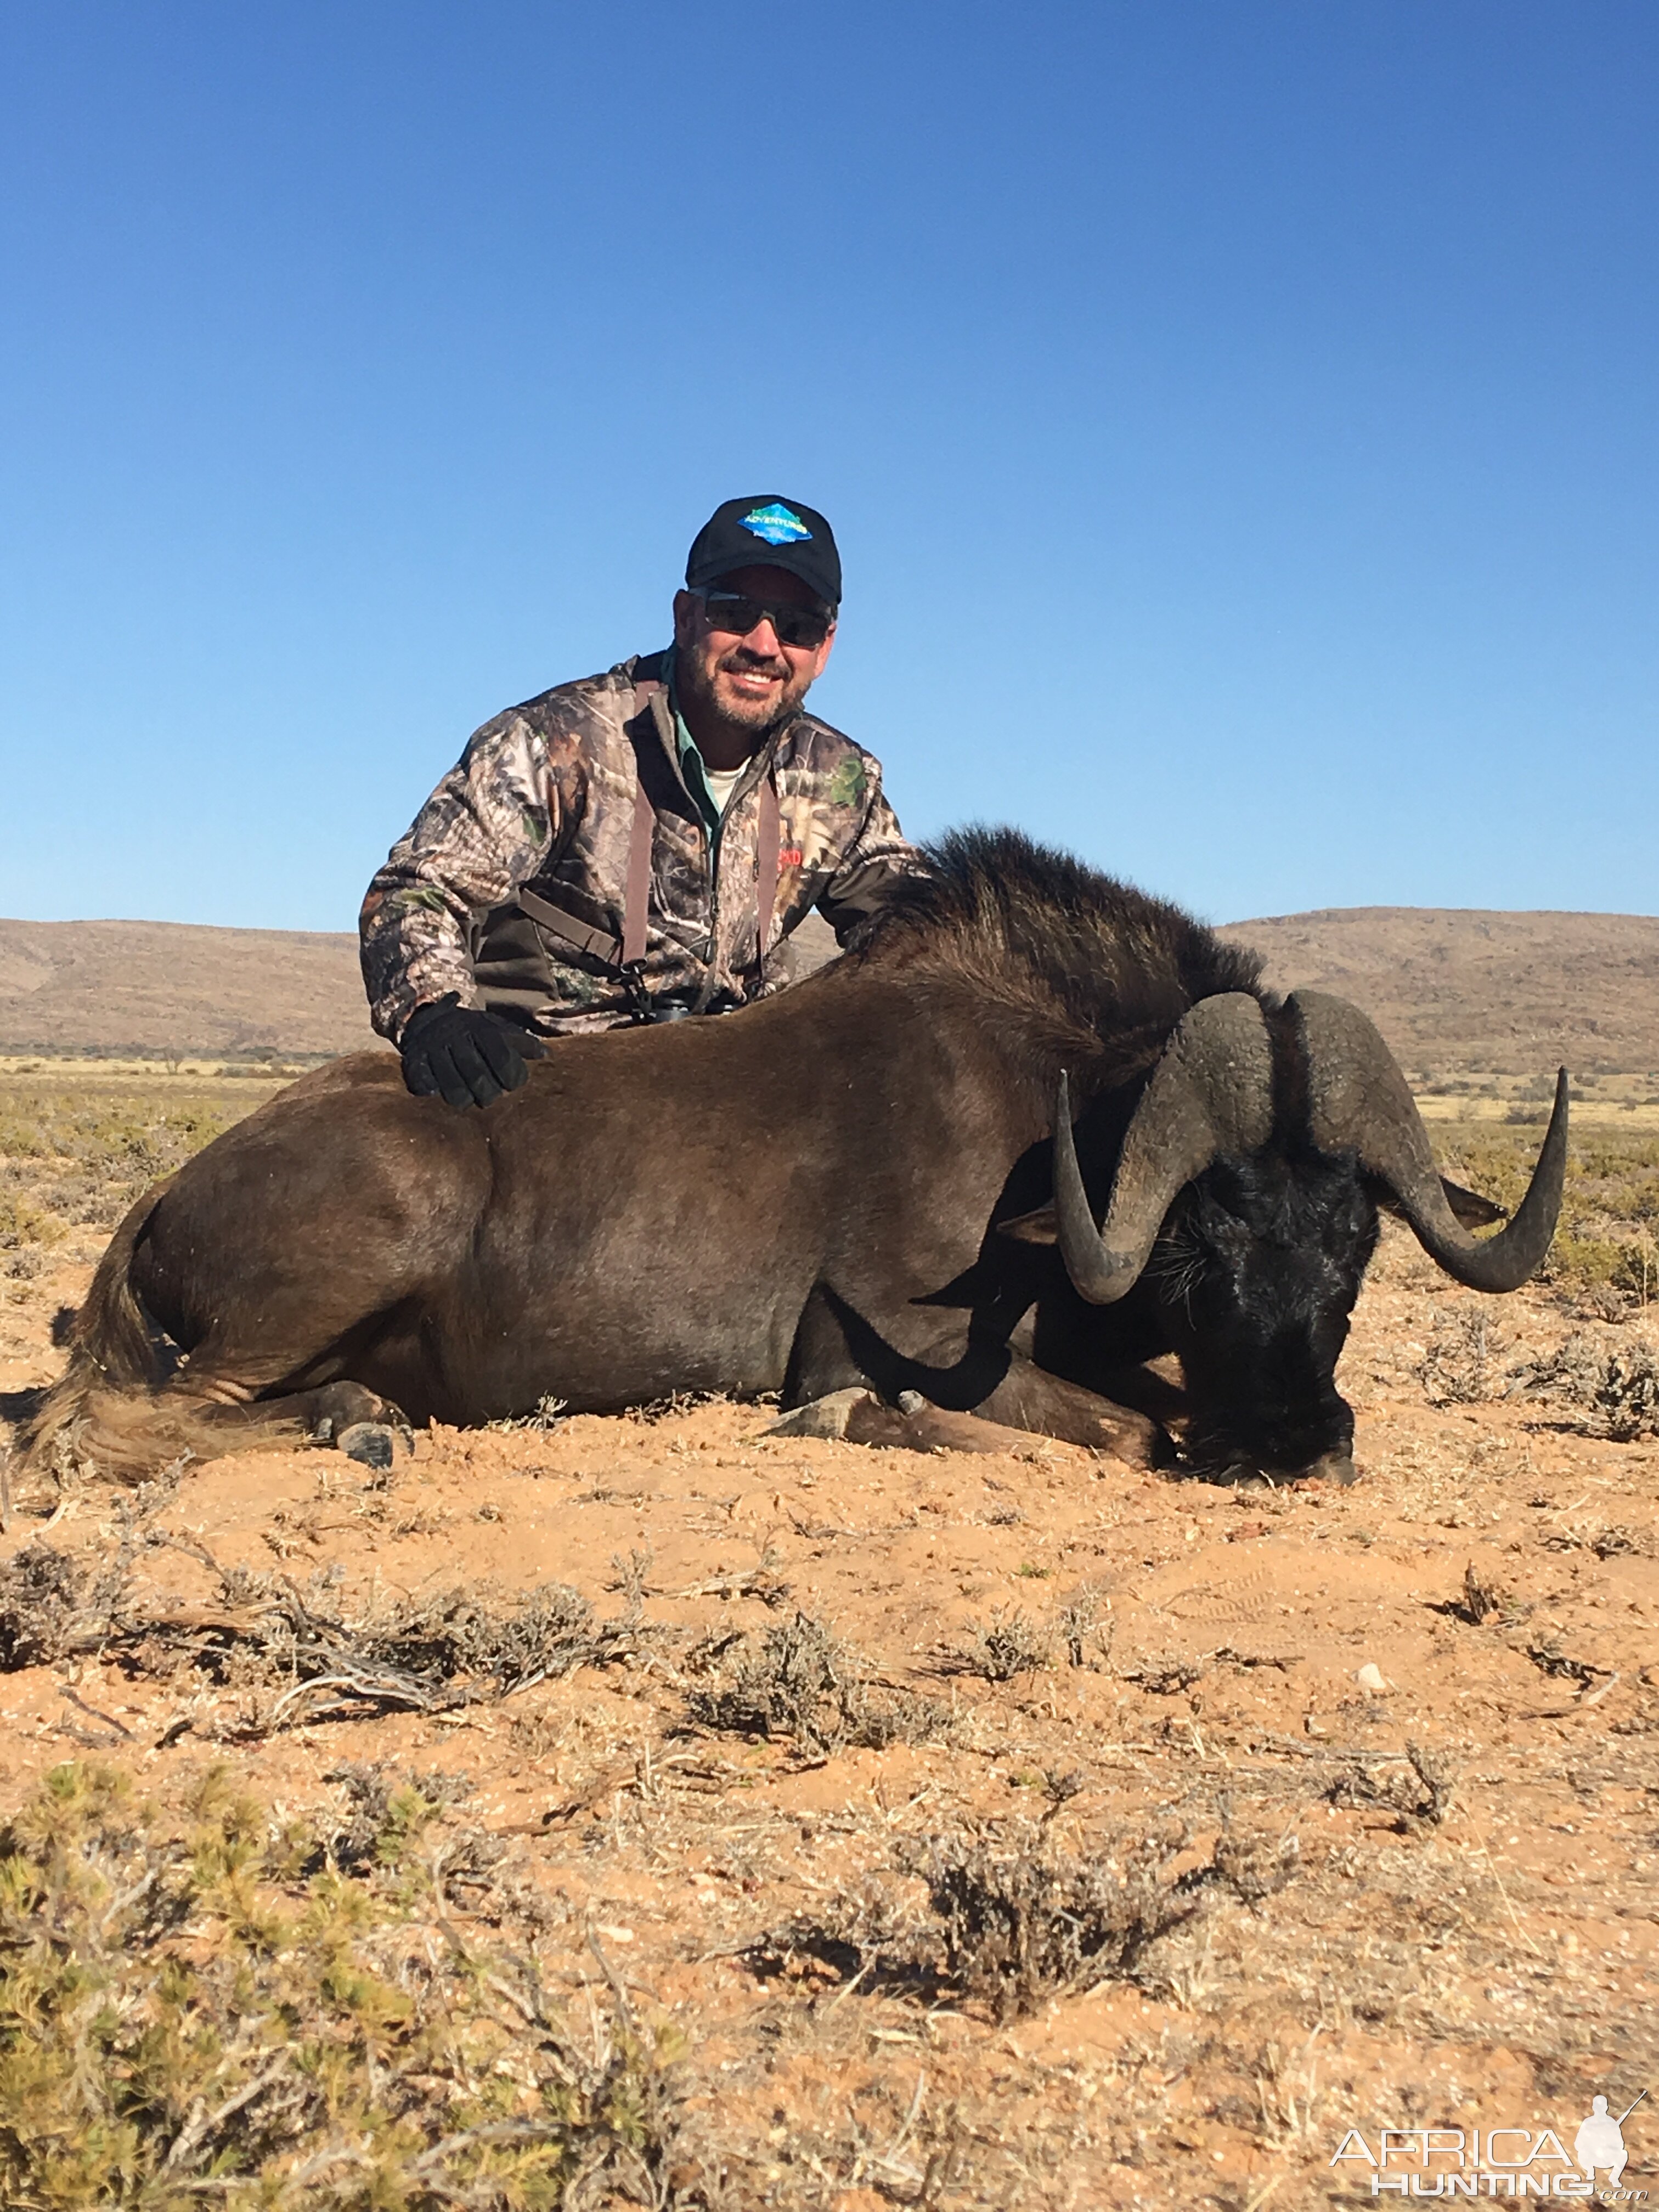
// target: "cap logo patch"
[[777, 525]]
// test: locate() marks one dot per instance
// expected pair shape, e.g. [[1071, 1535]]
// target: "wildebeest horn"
[[1211, 1092], [1358, 1099]]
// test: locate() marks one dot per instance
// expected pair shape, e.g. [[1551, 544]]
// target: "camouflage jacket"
[[542, 803]]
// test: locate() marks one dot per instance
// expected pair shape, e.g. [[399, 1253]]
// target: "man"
[[1600, 2141], [636, 846]]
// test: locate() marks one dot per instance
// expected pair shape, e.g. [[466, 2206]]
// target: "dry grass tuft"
[[1481, 1601], [546, 1415]]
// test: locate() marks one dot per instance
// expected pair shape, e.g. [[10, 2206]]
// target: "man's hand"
[[464, 1055]]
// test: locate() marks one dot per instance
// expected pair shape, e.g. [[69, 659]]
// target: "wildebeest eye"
[[1221, 1230]]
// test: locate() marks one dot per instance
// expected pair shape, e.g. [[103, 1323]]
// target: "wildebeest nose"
[[1250, 1474]]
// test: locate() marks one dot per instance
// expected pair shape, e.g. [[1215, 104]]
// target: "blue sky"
[[1238, 415]]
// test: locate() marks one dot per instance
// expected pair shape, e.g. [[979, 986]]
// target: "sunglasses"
[[735, 611]]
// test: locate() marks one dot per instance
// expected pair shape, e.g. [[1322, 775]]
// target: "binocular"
[[681, 1006]]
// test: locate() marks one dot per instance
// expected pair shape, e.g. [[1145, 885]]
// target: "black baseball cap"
[[769, 532]]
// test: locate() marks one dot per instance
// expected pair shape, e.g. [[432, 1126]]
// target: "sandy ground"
[[1458, 1817]]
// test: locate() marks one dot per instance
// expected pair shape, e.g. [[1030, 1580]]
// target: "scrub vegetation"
[[585, 1813], [1608, 1237], [74, 1156], [235, 2010]]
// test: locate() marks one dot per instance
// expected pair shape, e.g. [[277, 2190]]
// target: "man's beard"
[[754, 719]]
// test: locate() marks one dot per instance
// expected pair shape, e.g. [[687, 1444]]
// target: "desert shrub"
[[802, 1681], [1480, 1601], [1017, 1927], [1087, 1639], [546, 1632], [185, 2021], [1002, 1648], [384, 1818], [21, 1137], [1460, 1367], [1165, 1676], [22, 1222], [1012, 1925], [40, 1592], [1422, 1793], [1611, 1387], [1619, 1263], [431, 1653]]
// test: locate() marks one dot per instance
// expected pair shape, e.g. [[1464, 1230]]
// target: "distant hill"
[[1458, 991], [1455, 993], [166, 986]]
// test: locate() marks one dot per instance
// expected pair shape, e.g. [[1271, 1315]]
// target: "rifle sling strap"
[[637, 904], [766, 872]]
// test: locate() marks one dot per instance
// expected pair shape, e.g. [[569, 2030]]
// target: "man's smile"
[[756, 682]]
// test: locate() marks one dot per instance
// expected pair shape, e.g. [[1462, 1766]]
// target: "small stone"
[[1371, 1679]]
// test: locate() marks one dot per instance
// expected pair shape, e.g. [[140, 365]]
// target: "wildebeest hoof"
[[371, 1443], [1334, 1467], [821, 1417]]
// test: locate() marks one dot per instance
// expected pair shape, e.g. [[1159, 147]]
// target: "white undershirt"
[[721, 781]]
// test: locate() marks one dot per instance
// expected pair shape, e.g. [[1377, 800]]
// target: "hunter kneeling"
[[635, 847]]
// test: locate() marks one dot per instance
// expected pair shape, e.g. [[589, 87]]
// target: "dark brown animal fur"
[[795, 1198]]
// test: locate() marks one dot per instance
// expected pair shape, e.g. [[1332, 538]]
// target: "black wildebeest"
[[873, 1178]]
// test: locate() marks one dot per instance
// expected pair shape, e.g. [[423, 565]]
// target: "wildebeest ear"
[[1039, 1228], [1467, 1205]]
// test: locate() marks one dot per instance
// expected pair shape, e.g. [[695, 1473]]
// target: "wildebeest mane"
[[1090, 970]]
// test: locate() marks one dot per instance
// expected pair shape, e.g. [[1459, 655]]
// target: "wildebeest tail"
[[106, 1413], [110, 1351]]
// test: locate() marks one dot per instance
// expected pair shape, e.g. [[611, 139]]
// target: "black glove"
[[462, 1053]]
